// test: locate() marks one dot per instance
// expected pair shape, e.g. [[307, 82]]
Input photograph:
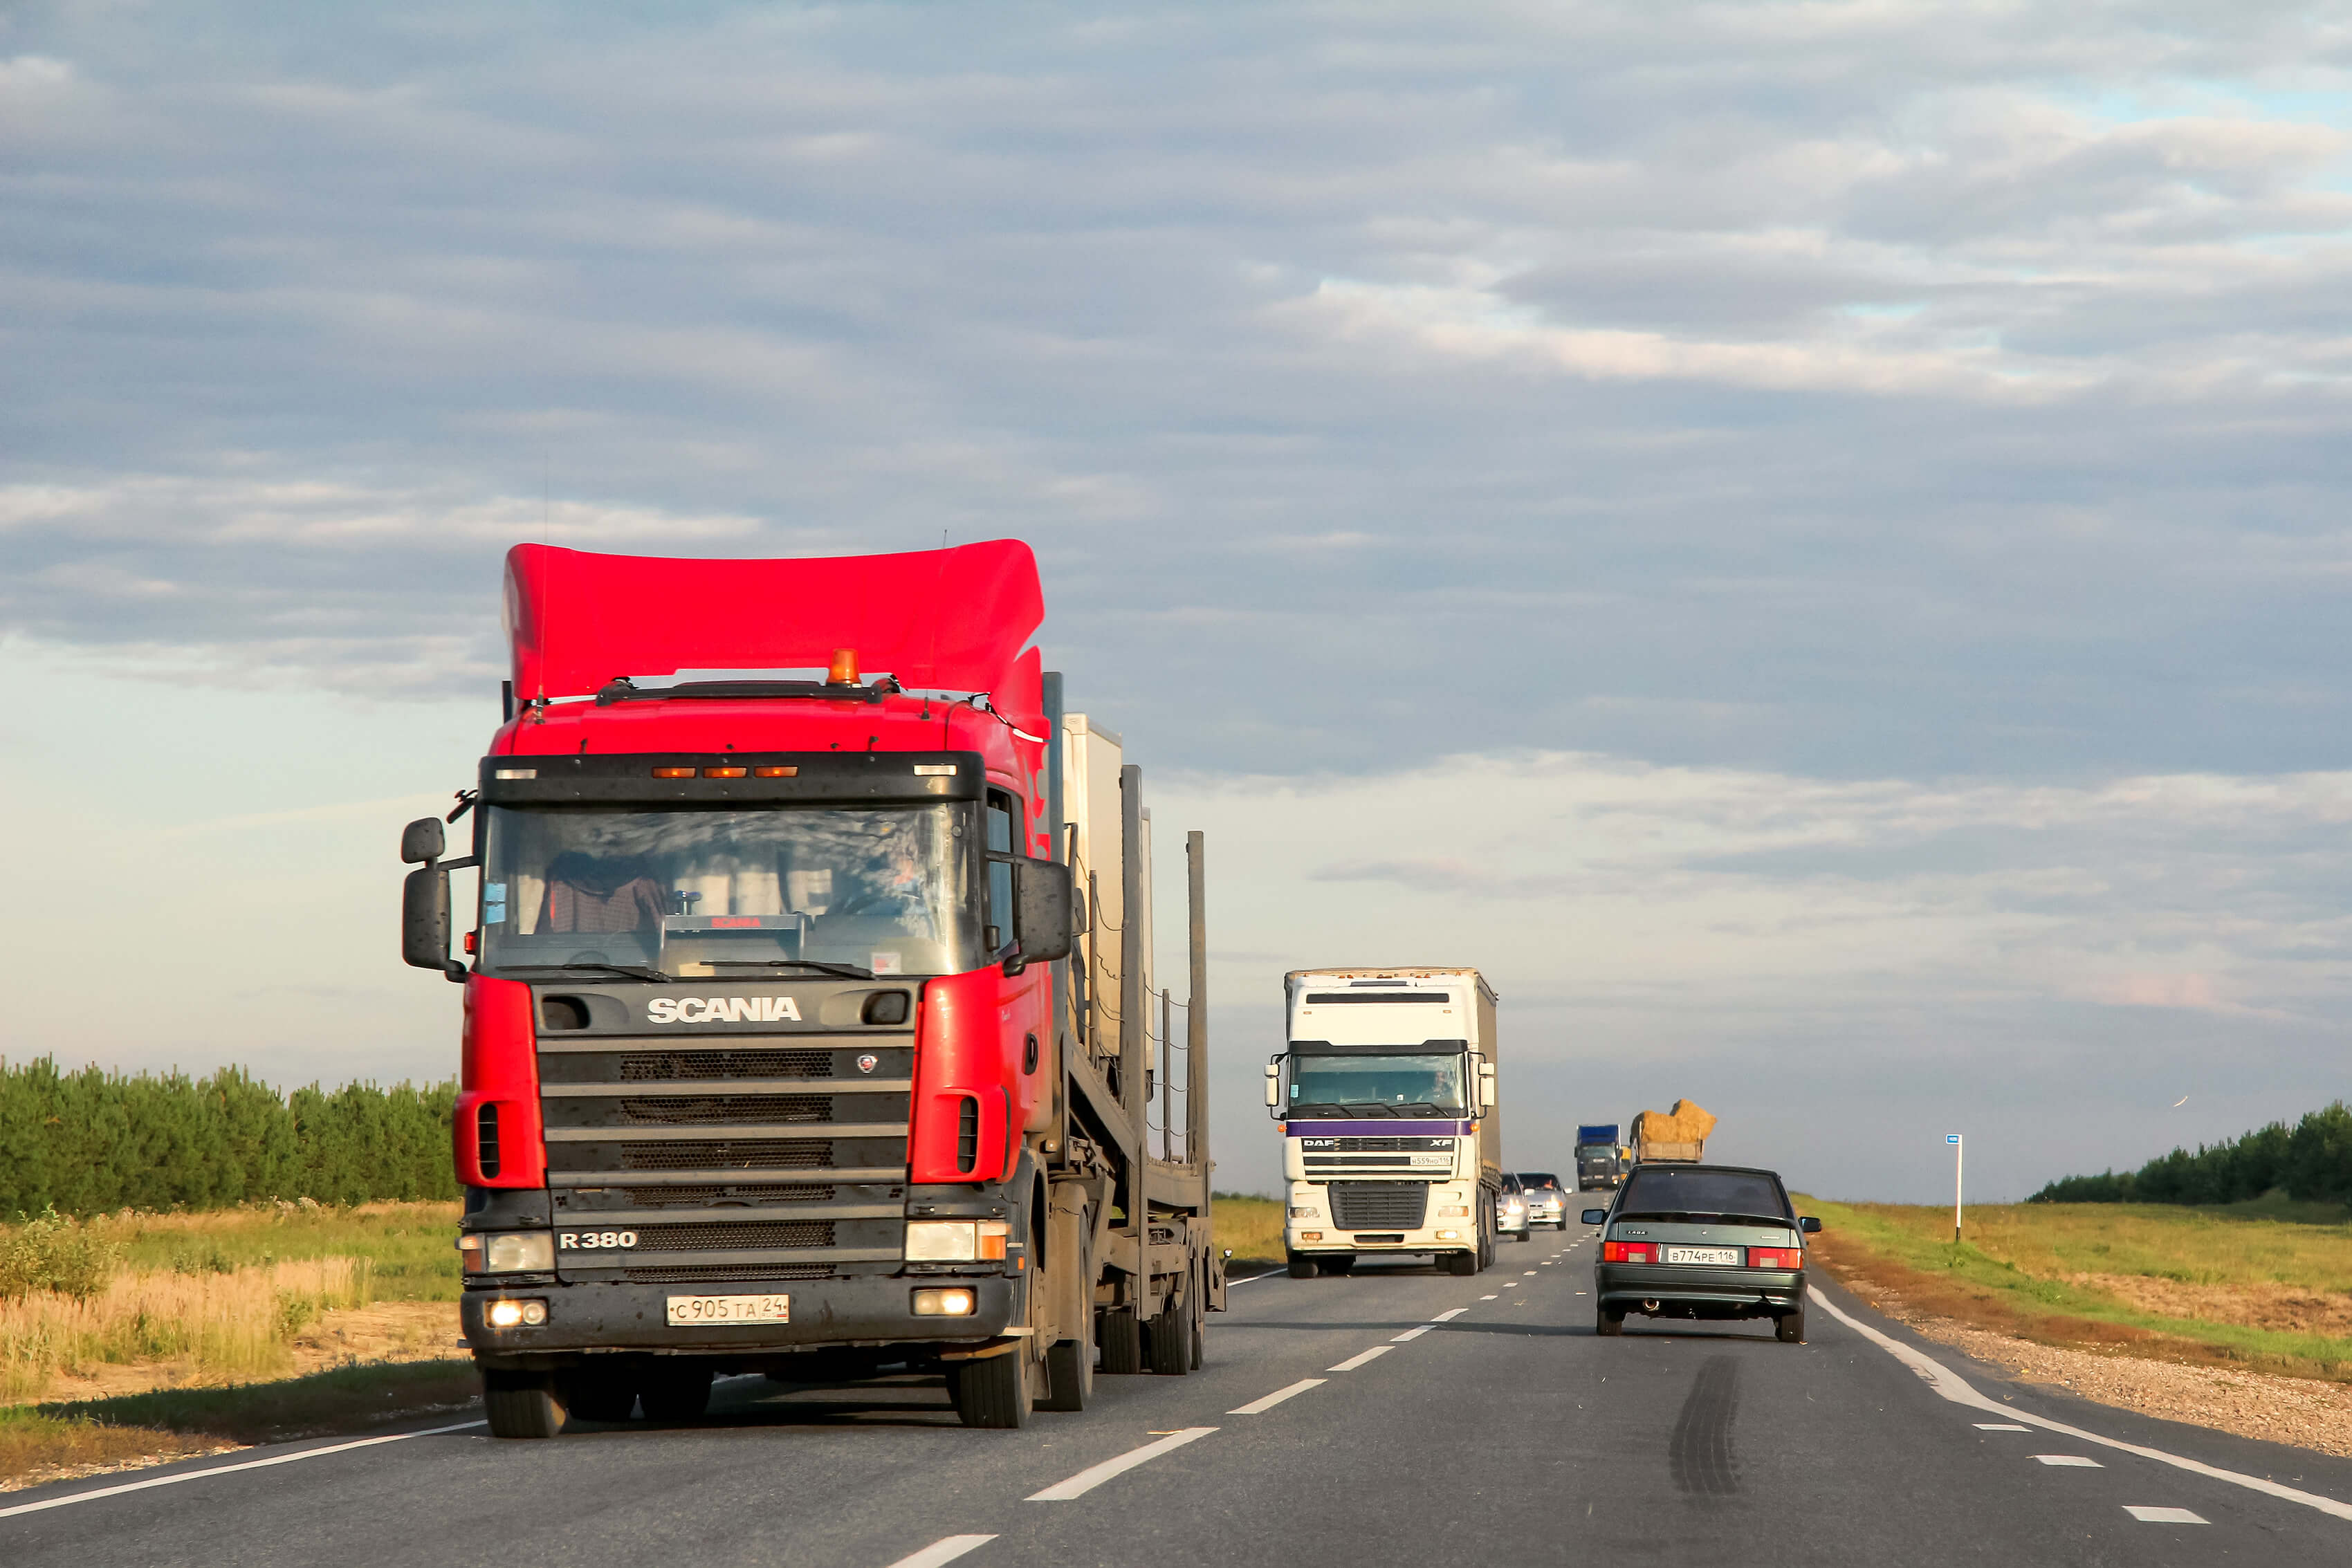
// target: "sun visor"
[[949, 619]]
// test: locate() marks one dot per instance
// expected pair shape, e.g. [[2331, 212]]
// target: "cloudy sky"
[[1807, 540]]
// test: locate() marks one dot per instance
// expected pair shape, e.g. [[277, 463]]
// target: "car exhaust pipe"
[[1649, 1306]]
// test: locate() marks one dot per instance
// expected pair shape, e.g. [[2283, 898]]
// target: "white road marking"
[[1085, 1480], [1410, 1334], [2079, 1461], [2001, 1427], [1531, 1273], [1957, 1390], [1450, 1314], [946, 1549], [2147, 1515], [230, 1469], [1244, 1280], [1490, 1298], [1354, 1361], [1260, 1407]]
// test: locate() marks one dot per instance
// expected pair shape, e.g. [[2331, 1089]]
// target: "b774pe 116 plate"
[[688, 1312], [1693, 1255]]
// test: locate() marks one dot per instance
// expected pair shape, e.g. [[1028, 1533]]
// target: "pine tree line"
[[2311, 1162], [94, 1141]]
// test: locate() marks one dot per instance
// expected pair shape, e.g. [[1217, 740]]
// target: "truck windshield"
[[1597, 1151], [718, 891], [1364, 1085]]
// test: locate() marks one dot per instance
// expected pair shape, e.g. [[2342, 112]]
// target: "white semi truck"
[[1386, 1099]]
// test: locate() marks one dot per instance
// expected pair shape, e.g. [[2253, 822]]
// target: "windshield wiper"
[[847, 971], [634, 971]]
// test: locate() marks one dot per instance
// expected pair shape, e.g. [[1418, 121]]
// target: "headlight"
[[514, 1314], [1453, 1211], [1308, 1212], [944, 1303], [513, 1253], [956, 1240]]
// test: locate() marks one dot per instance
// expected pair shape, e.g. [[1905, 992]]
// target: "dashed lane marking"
[[1490, 1298], [1957, 1389], [1410, 1334], [1532, 1274], [1450, 1314], [2001, 1427], [1085, 1480], [1260, 1407], [946, 1549], [230, 1469], [1356, 1361], [2147, 1515], [2079, 1462]]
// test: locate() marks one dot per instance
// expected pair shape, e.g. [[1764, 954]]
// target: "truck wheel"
[[993, 1392], [1302, 1266], [676, 1396], [1166, 1343], [1606, 1324], [1462, 1262], [596, 1394], [1340, 1264], [1122, 1343], [521, 1404], [1197, 1322], [1069, 1376], [1790, 1327]]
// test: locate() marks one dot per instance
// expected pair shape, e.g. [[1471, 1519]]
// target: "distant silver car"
[[1511, 1209], [1546, 1201]]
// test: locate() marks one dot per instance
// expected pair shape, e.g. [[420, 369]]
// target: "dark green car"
[[1701, 1241]]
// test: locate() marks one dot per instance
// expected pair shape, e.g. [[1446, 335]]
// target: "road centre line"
[[1411, 1334], [1490, 1298], [1450, 1314], [1356, 1361], [2079, 1462], [2001, 1427], [230, 1469], [1531, 1274], [2147, 1515], [1085, 1480], [1957, 1389], [1261, 1406], [946, 1549]]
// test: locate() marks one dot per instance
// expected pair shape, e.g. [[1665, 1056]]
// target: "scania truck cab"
[[1386, 1100]]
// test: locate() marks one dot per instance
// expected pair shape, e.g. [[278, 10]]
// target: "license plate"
[[685, 1311], [1702, 1254]]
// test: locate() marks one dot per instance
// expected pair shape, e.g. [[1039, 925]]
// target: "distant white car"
[[1511, 1209], [1547, 1203]]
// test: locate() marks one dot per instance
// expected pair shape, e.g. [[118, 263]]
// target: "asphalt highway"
[[1393, 1416]]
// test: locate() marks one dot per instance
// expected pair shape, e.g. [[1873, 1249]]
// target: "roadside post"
[[1954, 1139]]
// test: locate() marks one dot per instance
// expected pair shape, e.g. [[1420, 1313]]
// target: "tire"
[[1789, 1328], [1168, 1341], [1199, 1323], [993, 1392], [1302, 1266], [1069, 1376], [1606, 1324], [1462, 1262], [677, 1394], [521, 1405], [1338, 1264], [597, 1395], [1122, 1343]]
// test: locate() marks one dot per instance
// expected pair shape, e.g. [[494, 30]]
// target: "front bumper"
[[1426, 1239], [1683, 1290], [590, 1318], [1510, 1224]]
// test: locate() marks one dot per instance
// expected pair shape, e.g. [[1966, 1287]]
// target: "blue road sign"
[[1951, 1137]]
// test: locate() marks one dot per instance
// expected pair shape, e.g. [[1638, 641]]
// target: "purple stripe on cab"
[[1305, 1127]]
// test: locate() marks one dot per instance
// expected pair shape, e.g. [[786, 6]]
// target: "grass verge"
[[1251, 1225], [2208, 1286]]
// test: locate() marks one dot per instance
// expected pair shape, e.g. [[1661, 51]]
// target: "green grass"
[[1251, 1225], [2017, 1267], [411, 1245]]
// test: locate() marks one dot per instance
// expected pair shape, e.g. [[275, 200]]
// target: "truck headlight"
[[951, 1304], [1453, 1211], [515, 1315], [1306, 1212], [956, 1240], [511, 1252]]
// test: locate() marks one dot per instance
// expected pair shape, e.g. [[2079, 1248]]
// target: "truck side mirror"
[[1596, 1216], [1273, 1083], [1486, 1086], [1808, 1225], [1042, 907], [425, 920], [422, 842]]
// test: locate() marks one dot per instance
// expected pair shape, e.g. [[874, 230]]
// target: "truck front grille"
[[744, 1154], [1379, 1205], [719, 1273], [691, 1109], [734, 1238], [717, 1197], [641, 1066]]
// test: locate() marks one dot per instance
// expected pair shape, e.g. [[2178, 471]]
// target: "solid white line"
[[1354, 1361], [1244, 1280], [1957, 1389], [229, 1469], [1260, 1407], [2078, 1460], [946, 1549], [1450, 1314], [1085, 1480], [2147, 1515], [1410, 1334]]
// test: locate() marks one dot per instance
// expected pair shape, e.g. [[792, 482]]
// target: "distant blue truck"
[[1599, 1158]]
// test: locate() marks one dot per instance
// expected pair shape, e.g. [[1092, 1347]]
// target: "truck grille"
[[1379, 1205], [719, 1176]]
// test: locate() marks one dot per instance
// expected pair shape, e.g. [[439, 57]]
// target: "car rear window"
[[1667, 1191]]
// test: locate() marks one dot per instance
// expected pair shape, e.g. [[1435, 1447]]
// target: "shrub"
[[55, 1253]]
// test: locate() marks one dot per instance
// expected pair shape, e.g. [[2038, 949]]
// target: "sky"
[[1804, 539]]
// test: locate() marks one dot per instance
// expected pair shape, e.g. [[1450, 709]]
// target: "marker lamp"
[[519, 1251], [951, 1304], [508, 1314], [1310, 1236]]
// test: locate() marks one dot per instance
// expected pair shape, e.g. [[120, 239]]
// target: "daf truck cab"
[[1386, 1100]]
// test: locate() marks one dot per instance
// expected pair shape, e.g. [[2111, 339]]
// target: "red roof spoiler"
[[946, 620]]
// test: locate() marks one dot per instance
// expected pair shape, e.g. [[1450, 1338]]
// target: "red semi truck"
[[790, 1045]]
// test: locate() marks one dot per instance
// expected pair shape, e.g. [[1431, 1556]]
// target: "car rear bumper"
[[1685, 1290]]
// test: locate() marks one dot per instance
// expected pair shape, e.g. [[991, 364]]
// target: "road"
[[1478, 1419]]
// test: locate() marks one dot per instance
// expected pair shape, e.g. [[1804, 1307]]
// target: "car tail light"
[[1629, 1252], [1776, 1257]]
